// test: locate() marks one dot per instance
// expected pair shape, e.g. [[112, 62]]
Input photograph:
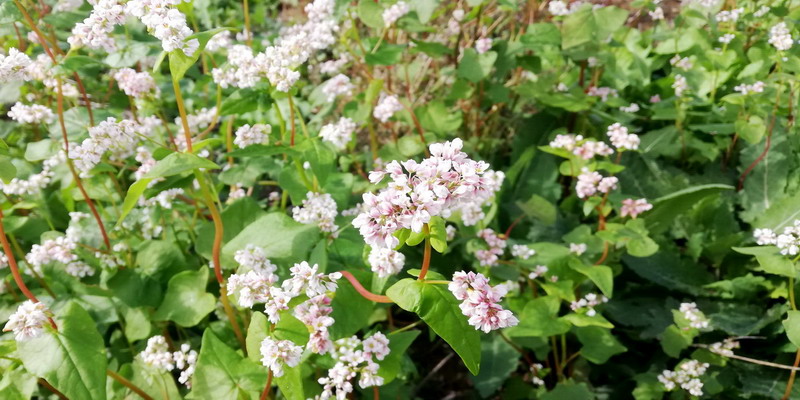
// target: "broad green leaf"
[[436, 117], [498, 361], [282, 238], [770, 260], [439, 309], [398, 344], [290, 328], [667, 207], [186, 302], [475, 67], [371, 13], [751, 130], [578, 28], [291, 383], [601, 275], [235, 217], [539, 318], [137, 324], [598, 344], [540, 208], [41, 150], [438, 234], [257, 331], [7, 170], [569, 390], [221, 373], [179, 62], [135, 191], [178, 163], [387, 54], [245, 100], [73, 359], [582, 320], [351, 311], [674, 340], [792, 326]]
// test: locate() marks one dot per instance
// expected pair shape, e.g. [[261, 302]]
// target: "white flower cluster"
[[35, 182], [277, 353], [745, 89], [157, 355], [497, 245], [762, 11], [248, 135], [538, 271], [724, 348], [583, 148], [780, 37], [436, 186], [537, 369], [15, 66], [339, 133], [730, 16], [79, 269], [32, 114], [632, 108], [331, 67], [684, 63], [602, 92], [472, 209], [657, 14], [621, 139], [680, 85], [351, 361], [317, 208], [395, 12], [450, 232], [315, 314], [577, 248], [59, 249], [278, 63], [339, 85], [788, 242], [480, 301], [726, 38], [591, 182], [454, 23], [686, 376], [387, 106], [522, 251], [693, 314], [220, 41], [28, 321], [260, 284], [589, 302], [386, 262], [165, 22], [165, 198], [197, 121], [633, 208], [118, 137], [483, 45], [560, 8], [136, 84], [95, 31]]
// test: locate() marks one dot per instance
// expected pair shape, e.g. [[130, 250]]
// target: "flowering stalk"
[[119, 378], [182, 110], [364, 292], [215, 255], [12, 264], [426, 257], [268, 387], [78, 182]]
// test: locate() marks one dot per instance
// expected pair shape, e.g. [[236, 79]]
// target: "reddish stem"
[[267, 388], [364, 292], [513, 224], [426, 258]]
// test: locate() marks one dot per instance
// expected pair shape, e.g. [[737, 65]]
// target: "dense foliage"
[[213, 199]]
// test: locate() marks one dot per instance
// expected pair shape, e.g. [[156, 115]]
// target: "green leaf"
[[282, 238], [792, 326], [135, 191], [436, 117], [221, 373], [498, 361], [398, 344], [438, 234], [235, 217], [666, 208], [243, 101], [41, 150], [475, 67], [387, 54], [291, 383], [674, 340], [598, 344], [540, 208], [256, 333], [73, 359], [439, 309], [539, 318], [751, 130], [370, 13], [569, 390], [578, 28], [351, 311], [7, 170], [290, 328], [179, 62], [178, 163], [601, 275], [186, 302], [770, 260]]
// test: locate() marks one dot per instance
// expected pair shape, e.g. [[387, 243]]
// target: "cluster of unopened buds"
[[588, 302], [787, 242], [481, 302], [724, 348], [693, 314], [158, 355], [685, 376]]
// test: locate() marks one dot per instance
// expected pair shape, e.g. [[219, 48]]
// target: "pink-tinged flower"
[[633, 208], [277, 353], [480, 301], [28, 321]]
